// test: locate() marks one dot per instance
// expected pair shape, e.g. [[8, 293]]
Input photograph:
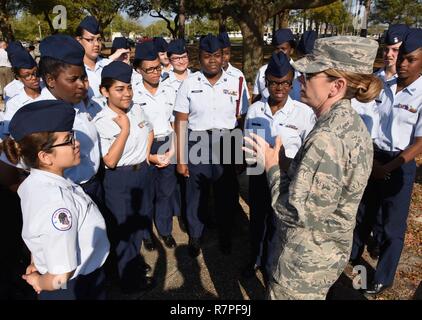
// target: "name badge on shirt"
[[378, 101], [142, 104], [291, 126], [230, 92], [406, 107], [256, 124], [196, 91]]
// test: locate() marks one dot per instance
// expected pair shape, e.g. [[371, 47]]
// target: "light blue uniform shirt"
[[12, 89], [260, 88], [158, 108], [210, 106], [175, 83], [62, 227], [235, 72], [135, 148], [13, 105], [381, 74], [400, 116], [292, 123], [87, 135], [369, 114], [94, 77]]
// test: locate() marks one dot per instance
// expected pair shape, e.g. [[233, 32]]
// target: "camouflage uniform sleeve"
[[311, 190]]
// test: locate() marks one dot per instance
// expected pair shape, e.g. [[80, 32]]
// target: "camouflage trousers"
[[307, 267]]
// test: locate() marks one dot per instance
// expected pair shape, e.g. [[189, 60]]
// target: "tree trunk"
[[6, 27], [304, 20], [182, 19], [283, 19], [274, 26], [50, 24], [253, 46]]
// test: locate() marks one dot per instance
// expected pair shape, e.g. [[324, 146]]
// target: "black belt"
[[133, 167]]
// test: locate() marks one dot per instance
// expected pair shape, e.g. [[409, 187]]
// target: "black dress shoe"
[[169, 241], [149, 244], [194, 247], [376, 288]]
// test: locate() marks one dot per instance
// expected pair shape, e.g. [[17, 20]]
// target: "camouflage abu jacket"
[[315, 204]]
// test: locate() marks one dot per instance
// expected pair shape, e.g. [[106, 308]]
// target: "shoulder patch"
[[62, 219]]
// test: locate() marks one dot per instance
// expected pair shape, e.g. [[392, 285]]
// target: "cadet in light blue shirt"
[[385, 203], [206, 105], [283, 41], [61, 67], [179, 59], [126, 139], [281, 116], [156, 99], [62, 226], [26, 70], [393, 39], [88, 34]]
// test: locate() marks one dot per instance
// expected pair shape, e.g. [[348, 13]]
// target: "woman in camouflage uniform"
[[315, 201]]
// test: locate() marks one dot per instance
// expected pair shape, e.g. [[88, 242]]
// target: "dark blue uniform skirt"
[[223, 179], [128, 200], [83, 287], [165, 182], [385, 207]]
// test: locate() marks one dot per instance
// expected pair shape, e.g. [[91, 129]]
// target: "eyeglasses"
[[152, 69], [29, 76], [71, 142], [92, 40], [178, 59], [275, 84]]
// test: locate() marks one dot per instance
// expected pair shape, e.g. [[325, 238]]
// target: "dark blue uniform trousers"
[[385, 207], [83, 287], [261, 226], [128, 199], [165, 181], [223, 179]]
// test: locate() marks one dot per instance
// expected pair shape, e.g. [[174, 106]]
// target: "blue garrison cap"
[[279, 65], [160, 44], [396, 33], [146, 51], [120, 43], [307, 42], [283, 35], [63, 47], [413, 40], [177, 46], [209, 43], [224, 40], [90, 24], [19, 57], [37, 117], [117, 70]]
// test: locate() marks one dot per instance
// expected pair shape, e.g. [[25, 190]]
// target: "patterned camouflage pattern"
[[315, 204], [345, 53]]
